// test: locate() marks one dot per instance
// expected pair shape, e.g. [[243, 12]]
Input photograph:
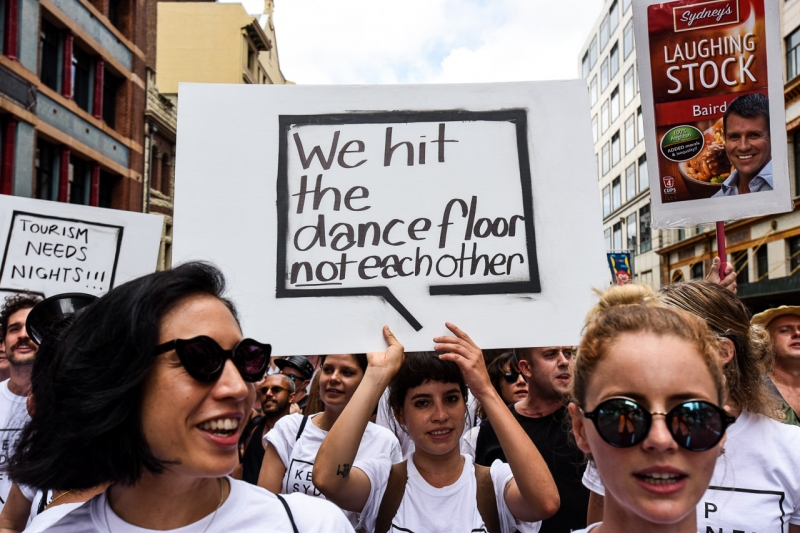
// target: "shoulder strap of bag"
[[302, 427], [289, 513], [395, 490], [487, 504]]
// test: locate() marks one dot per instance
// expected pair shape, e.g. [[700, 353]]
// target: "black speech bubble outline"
[[14, 214], [518, 117]]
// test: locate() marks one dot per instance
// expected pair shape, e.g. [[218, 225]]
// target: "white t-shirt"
[[298, 455], [386, 419], [756, 482], [48, 517], [248, 509], [13, 417], [451, 509]]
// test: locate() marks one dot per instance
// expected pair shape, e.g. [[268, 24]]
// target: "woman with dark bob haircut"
[[149, 391], [438, 489]]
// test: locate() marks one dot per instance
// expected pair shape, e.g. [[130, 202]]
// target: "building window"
[[794, 256], [625, 5], [593, 53], [630, 182], [614, 60], [593, 90], [110, 87], [631, 228], [606, 158], [793, 54], [604, 33], [607, 235], [606, 201], [640, 124], [615, 104], [741, 266], [627, 39], [594, 128], [762, 263], [604, 75], [585, 65], [604, 112], [79, 179], [630, 134], [49, 55], [698, 271], [107, 184], [797, 163], [166, 175], [613, 17], [681, 234], [617, 235], [645, 244], [82, 78], [616, 194], [46, 157], [630, 92], [615, 149], [114, 12], [644, 184]]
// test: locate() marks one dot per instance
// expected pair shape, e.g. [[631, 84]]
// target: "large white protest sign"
[[335, 210], [53, 248], [712, 95]]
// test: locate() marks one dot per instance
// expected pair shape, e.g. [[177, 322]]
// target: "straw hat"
[[763, 319]]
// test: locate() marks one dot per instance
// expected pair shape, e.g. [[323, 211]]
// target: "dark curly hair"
[[86, 427], [14, 303]]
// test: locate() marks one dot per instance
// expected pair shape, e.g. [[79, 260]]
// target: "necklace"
[[54, 500], [221, 498]]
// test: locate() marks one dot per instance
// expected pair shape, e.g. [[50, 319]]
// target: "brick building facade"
[[72, 98]]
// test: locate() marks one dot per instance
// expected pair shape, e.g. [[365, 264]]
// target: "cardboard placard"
[[408, 206], [53, 248], [712, 97]]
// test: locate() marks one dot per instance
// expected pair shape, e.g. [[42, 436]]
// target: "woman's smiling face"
[[656, 480], [193, 424]]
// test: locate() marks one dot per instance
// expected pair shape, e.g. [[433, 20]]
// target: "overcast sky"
[[429, 41]]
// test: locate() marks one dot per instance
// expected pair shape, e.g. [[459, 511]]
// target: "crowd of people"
[[148, 410]]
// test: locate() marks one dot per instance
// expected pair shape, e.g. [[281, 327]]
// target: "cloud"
[[430, 41]]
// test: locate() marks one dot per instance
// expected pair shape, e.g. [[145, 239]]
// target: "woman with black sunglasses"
[[149, 390], [756, 486], [647, 391], [506, 378]]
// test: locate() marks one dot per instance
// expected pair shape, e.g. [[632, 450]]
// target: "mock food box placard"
[[712, 97]]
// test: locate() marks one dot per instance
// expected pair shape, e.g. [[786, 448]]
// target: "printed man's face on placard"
[[747, 144]]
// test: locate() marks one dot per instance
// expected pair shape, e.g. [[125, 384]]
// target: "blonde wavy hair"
[[728, 317], [634, 309]]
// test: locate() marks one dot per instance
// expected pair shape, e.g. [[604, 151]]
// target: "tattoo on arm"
[[343, 470]]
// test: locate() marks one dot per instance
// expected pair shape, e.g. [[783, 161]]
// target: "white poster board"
[[332, 213], [53, 248], [700, 61]]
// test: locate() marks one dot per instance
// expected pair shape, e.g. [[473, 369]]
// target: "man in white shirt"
[[20, 351], [748, 146]]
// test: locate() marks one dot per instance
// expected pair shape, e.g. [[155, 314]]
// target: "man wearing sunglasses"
[[278, 393], [300, 370], [542, 414]]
